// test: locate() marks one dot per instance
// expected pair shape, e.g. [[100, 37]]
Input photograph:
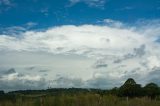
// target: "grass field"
[[77, 99]]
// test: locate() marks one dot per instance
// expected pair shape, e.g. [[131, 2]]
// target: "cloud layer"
[[118, 50]]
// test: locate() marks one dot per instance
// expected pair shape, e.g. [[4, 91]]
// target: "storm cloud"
[[89, 55]]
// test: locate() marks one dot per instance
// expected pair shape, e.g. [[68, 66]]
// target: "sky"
[[78, 43]]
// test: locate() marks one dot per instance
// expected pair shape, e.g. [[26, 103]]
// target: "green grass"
[[77, 99]]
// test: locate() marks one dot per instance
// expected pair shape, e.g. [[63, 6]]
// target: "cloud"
[[77, 39], [30, 68], [5, 2], [115, 52], [43, 71], [5, 5], [100, 64], [11, 80], [154, 75], [137, 52], [90, 3], [31, 24], [15, 30], [45, 11], [103, 83], [10, 71], [7, 72], [67, 82], [127, 8], [113, 23]]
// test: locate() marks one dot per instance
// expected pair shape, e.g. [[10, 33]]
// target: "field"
[[75, 99]]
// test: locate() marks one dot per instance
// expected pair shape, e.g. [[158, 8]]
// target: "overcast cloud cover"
[[78, 43]]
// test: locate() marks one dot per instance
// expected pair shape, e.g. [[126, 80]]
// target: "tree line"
[[129, 89]]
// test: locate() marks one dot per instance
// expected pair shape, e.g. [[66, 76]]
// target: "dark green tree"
[[114, 91], [151, 90], [130, 89]]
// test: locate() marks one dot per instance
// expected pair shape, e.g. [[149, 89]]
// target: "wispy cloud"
[[125, 8], [44, 11], [112, 23], [15, 30], [90, 3], [5, 5], [5, 2]]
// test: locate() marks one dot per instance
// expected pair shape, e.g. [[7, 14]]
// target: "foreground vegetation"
[[80, 99], [129, 94]]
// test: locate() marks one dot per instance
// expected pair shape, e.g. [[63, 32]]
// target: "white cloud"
[[78, 39], [125, 51]]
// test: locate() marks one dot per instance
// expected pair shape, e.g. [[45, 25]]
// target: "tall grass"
[[78, 99]]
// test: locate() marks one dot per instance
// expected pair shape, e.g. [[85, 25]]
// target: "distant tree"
[[2, 95], [1, 92], [130, 89], [114, 91], [151, 90]]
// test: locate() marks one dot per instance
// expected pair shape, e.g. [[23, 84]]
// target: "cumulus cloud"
[[78, 39], [117, 52]]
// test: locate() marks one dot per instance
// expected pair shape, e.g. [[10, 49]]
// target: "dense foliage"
[[131, 89]]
